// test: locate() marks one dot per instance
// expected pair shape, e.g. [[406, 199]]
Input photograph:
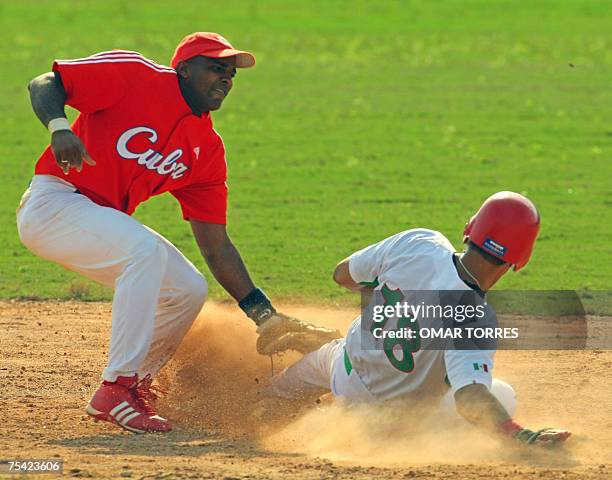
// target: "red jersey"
[[143, 136]]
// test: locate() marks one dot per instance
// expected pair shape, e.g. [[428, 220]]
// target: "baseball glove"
[[280, 333], [545, 436]]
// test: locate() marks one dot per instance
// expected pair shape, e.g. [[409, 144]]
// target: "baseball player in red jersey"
[[143, 129]]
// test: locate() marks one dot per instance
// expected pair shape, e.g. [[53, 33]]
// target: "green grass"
[[361, 119]]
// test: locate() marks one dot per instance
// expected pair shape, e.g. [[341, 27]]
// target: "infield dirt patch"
[[53, 352]]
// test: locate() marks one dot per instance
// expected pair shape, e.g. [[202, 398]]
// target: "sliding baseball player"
[[500, 236]]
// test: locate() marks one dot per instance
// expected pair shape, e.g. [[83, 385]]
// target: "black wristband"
[[257, 306]]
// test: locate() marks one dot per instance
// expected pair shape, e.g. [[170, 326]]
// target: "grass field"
[[360, 120]]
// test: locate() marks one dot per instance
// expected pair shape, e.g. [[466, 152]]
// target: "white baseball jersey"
[[413, 260]]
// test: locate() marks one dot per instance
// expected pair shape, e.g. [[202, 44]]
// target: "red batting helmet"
[[506, 226]]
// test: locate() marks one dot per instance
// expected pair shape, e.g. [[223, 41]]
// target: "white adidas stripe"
[[118, 52], [127, 419], [127, 54], [118, 58], [115, 53], [118, 408], [112, 53], [124, 413]]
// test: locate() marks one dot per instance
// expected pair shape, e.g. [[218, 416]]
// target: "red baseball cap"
[[211, 45]]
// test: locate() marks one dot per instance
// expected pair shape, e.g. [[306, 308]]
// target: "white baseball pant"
[[158, 292], [324, 369], [319, 372]]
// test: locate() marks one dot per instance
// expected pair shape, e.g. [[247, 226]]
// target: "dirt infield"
[[53, 352]]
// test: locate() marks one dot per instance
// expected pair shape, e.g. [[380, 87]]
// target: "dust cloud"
[[216, 377]]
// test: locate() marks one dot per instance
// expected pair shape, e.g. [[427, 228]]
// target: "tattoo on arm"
[[48, 97]]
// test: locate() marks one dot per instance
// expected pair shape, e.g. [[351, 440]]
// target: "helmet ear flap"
[[467, 230]]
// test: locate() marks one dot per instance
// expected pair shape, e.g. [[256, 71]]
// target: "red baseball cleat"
[[127, 403]]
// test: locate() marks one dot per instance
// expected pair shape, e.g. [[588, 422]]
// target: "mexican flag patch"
[[481, 366]]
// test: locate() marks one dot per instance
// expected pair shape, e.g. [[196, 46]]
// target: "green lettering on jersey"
[[392, 346]]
